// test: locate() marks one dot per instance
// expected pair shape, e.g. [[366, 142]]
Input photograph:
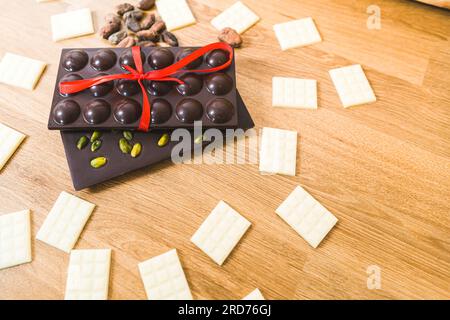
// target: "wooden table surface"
[[383, 169]]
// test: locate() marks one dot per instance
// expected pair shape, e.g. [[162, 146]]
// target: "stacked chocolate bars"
[[117, 107]]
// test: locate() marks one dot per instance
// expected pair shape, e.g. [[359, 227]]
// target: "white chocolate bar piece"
[[15, 239], [88, 274], [307, 216], [254, 295], [20, 71], [278, 151], [72, 24], [175, 13], [352, 85], [238, 17], [296, 33], [220, 232], [64, 223], [294, 93], [164, 278], [10, 140]]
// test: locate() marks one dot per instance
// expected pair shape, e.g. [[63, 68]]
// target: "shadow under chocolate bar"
[[118, 163], [117, 104]]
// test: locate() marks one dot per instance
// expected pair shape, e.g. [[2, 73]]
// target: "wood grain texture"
[[382, 169]]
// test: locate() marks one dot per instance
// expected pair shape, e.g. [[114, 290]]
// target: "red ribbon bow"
[[154, 75]]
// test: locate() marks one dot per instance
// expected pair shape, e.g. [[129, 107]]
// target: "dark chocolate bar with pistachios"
[[154, 148]]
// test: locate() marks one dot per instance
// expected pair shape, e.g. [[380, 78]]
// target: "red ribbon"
[[166, 74]]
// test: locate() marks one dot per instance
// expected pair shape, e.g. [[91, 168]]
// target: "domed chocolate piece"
[[127, 59], [103, 89], [160, 58], [67, 78], [189, 110], [217, 58], [127, 111], [103, 59], [127, 87], [66, 112], [75, 60], [192, 84], [161, 111], [194, 64], [219, 83], [158, 88], [96, 111], [219, 110]]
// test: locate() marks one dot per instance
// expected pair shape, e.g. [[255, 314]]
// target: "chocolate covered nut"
[[147, 35], [219, 110], [96, 111], [219, 83], [160, 58], [102, 89], [66, 111], [189, 110], [146, 4], [109, 29], [146, 44], [148, 21], [121, 9], [192, 84], [169, 38], [103, 59], [127, 42], [115, 38], [126, 59], [217, 58], [75, 60], [194, 64], [161, 111], [127, 111], [70, 77], [230, 36]]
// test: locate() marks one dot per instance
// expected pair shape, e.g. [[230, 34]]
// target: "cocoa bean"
[[127, 42], [108, 29], [115, 38], [169, 38], [135, 14], [147, 35], [133, 25], [113, 18], [146, 4], [231, 37], [123, 8], [148, 21], [146, 44], [158, 27]]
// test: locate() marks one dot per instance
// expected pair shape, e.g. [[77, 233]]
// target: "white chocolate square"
[[254, 295], [175, 13], [15, 239], [72, 24], [352, 85], [307, 216], [19, 71], [64, 223], [296, 33], [10, 140], [238, 17], [294, 93], [164, 278], [220, 232], [278, 151], [88, 274]]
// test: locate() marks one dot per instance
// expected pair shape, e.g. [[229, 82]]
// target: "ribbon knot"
[[166, 74]]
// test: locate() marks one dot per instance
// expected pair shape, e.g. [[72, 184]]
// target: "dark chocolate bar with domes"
[[207, 97]]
